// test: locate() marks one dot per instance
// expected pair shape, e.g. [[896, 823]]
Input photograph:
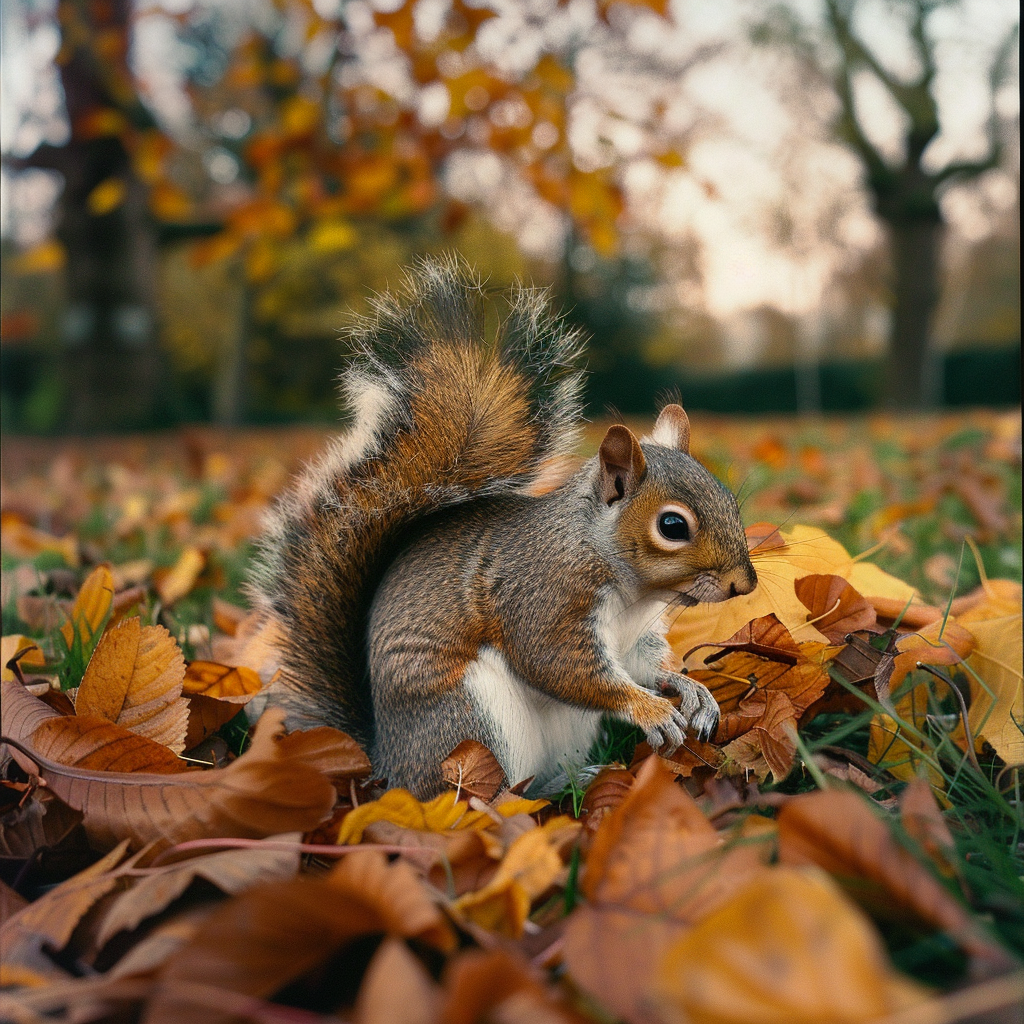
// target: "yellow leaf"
[[997, 701], [106, 197], [92, 605], [9, 647], [400, 807], [788, 948], [181, 578], [24, 541], [807, 551], [529, 867], [332, 236], [43, 258], [134, 680]]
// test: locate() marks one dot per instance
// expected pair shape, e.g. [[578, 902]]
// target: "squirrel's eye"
[[672, 526]]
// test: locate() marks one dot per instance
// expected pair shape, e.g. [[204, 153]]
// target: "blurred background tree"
[[196, 191]]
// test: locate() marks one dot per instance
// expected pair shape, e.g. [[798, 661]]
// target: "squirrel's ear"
[[672, 429], [622, 464]]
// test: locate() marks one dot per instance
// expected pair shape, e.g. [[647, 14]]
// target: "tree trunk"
[[912, 378]]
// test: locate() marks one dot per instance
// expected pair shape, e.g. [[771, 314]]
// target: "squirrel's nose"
[[744, 586]]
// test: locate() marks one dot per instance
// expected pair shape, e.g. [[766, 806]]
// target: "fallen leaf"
[[834, 607], [276, 932], [807, 551], [231, 871], [206, 715], [276, 786], [527, 870], [397, 989], [174, 583], [91, 743], [442, 814], [52, 918], [31, 655], [787, 948], [498, 985], [134, 680], [996, 713], [472, 768], [92, 605], [655, 866], [211, 679], [767, 745], [765, 636], [837, 831]]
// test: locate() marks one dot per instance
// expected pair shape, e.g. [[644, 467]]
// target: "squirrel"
[[422, 591]]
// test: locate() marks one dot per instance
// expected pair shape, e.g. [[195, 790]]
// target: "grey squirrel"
[[420, 590]]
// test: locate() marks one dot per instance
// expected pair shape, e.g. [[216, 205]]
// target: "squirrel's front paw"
[[697, 707], [668, 733]]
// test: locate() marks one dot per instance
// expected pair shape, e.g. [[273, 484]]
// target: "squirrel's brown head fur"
[[678, 527]]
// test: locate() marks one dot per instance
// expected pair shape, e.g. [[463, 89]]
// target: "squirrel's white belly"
[[535, 735]]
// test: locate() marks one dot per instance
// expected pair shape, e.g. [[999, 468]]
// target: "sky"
[[757, 142]]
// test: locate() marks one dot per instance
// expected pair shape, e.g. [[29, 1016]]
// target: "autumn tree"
[[905, 190]]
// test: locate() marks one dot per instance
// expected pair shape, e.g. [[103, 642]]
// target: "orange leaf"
[[175, 583], [214, 680], [655, 865], [788, 948], [134, 680]]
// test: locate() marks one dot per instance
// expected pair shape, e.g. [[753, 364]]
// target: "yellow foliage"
[[106, 197]]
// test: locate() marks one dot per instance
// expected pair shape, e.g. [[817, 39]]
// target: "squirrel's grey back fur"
[[437, 417]]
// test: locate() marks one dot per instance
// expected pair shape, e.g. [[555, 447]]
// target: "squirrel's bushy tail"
[[438, 417]]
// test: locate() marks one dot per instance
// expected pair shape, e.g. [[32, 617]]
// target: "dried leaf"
[[211, 679], [276, 932], [232, 871], [471, 768], [173, 584], [837, 831], [134, 680], [834, 606], [206, 715], [997, 701], [526, 871], [53, 917], [655, 865], [276, 786], [92, 605], [765, 636], [806, 551], [90, 743], [787, 948], [397, 989], [442, 814], [31, 655]]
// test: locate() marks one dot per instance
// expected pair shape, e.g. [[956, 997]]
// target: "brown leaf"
[[765, 636], [925, 824], [498, 985], [231, 871], [276, 786], [473, 769], [276, 932], [838, 831], [134, 680], [765, 743], [762, 537], [834, 606], [206, 715], [53, 917], [227, 617], [44, 821], [397, 989], [604, 794], [655, 865]]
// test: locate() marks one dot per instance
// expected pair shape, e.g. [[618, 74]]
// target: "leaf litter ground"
[[846, 848]]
